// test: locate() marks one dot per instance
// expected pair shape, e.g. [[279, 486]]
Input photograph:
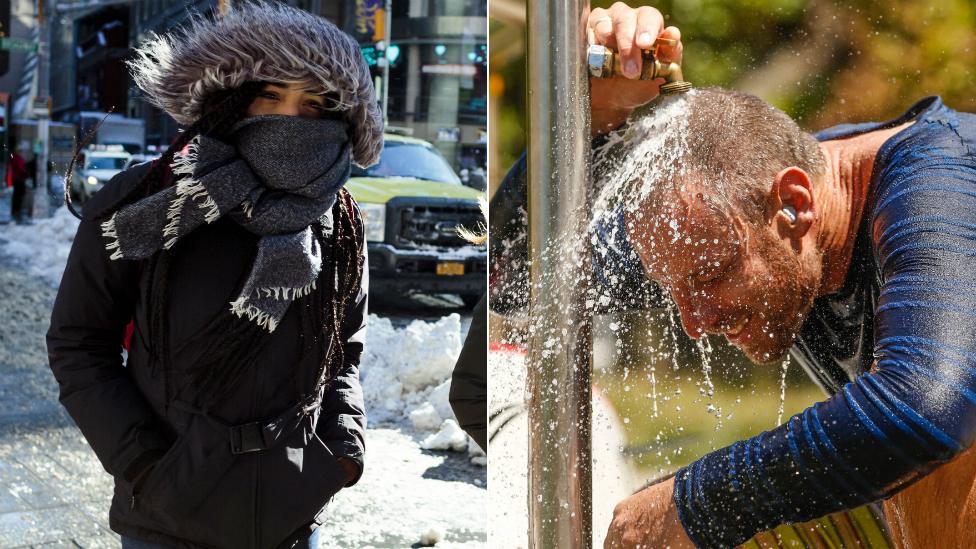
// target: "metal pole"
[[42, 189], [559, 489], [387, 37]]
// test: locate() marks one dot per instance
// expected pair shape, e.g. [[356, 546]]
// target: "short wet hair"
[[723, 140]]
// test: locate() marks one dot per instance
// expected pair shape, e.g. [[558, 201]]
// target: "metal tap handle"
[[603, 62]]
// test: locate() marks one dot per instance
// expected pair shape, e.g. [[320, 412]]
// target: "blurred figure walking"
[[17, 174]]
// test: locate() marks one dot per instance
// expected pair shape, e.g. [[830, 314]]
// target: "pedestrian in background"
[[238, 259], [18, 177], [30, 189]]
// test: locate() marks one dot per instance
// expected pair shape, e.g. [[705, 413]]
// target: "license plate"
[[450, 269]]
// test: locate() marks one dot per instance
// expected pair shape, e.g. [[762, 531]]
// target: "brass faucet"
[[605, 63]]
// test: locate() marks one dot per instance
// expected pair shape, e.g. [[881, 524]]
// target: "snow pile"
[[42, 246], [449, 437], [406, 375]]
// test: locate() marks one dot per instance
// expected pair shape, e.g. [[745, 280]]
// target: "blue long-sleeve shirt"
[[908, 306]]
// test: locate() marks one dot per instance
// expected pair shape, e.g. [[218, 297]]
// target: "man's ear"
[[791, 201]]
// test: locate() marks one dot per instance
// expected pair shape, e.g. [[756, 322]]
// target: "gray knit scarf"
[[278, 176]]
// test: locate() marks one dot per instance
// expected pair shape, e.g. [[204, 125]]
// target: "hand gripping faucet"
[[605, 63]]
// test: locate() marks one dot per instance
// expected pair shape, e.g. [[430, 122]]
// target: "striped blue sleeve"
[[915, 411]]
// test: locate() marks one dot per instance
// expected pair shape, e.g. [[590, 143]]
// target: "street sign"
[[41, 107], [17, 44]]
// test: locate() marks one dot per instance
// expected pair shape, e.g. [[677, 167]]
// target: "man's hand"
[[649, 520], [628, 31]]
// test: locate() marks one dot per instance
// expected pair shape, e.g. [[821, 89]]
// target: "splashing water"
[[629, 166], [673, 332], [627, 169], [708, 391], [652, 372], [782, 390]]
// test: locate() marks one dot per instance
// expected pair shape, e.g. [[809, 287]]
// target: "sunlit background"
[[823, 63]]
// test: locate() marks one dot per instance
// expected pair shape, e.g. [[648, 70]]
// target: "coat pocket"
[[298, 481], [159, 473], [187, 473]]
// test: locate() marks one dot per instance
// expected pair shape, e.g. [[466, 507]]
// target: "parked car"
[[413, 204], [139, 159], [95, 166]]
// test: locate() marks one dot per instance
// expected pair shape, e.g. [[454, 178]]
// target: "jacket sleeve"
[[343, 421], [94, 304], [469, 383], [508, 242]]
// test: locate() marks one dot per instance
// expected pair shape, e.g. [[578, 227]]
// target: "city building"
[[437, 59]]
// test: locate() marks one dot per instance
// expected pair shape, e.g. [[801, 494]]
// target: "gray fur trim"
[[257, 41]]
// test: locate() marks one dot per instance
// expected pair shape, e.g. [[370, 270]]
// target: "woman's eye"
[[269, 95], [315, 105]]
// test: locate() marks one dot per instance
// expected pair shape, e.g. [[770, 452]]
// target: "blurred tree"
[[823, 62]]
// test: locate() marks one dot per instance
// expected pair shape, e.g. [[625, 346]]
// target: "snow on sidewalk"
[[412, 491], [405, 494]]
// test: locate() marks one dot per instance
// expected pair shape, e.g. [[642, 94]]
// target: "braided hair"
[[344, 272]]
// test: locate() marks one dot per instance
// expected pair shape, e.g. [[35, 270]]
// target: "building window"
[[466, 8]]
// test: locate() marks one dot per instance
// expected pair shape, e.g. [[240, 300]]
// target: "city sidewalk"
[[55, 490]]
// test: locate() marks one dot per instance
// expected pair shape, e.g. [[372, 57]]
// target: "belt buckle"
[[247, 438]]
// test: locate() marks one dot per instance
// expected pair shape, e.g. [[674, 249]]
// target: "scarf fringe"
[[242, 308], [187, 188], [194, 190], [174, 215], [184, 164], [109, 231], [286, 294]]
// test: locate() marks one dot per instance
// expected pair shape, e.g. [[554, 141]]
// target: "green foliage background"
[[821, 62]]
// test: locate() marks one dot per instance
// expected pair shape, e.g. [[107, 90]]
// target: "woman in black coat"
[[237, 260]]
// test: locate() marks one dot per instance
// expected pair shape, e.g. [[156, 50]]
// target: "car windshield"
[[401, 159], [106, 163]]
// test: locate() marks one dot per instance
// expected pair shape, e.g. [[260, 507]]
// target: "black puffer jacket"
[[205, 490]]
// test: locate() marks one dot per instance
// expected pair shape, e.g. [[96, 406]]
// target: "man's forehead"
[[682, 235]]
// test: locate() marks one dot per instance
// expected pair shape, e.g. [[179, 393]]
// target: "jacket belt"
[[264, 434], [261, 435]]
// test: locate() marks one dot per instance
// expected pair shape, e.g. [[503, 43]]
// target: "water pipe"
[[560, 346]]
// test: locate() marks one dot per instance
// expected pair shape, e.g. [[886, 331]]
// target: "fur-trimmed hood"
[[257, 41]]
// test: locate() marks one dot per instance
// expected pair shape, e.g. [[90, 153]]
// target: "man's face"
[[727, 275]]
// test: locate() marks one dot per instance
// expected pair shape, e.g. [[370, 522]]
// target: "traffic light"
[[379, 25]]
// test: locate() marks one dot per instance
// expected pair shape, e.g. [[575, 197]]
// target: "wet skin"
[[743, 280], [770, 268]]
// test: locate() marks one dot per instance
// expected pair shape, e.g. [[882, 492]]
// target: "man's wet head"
[[733, 232]]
